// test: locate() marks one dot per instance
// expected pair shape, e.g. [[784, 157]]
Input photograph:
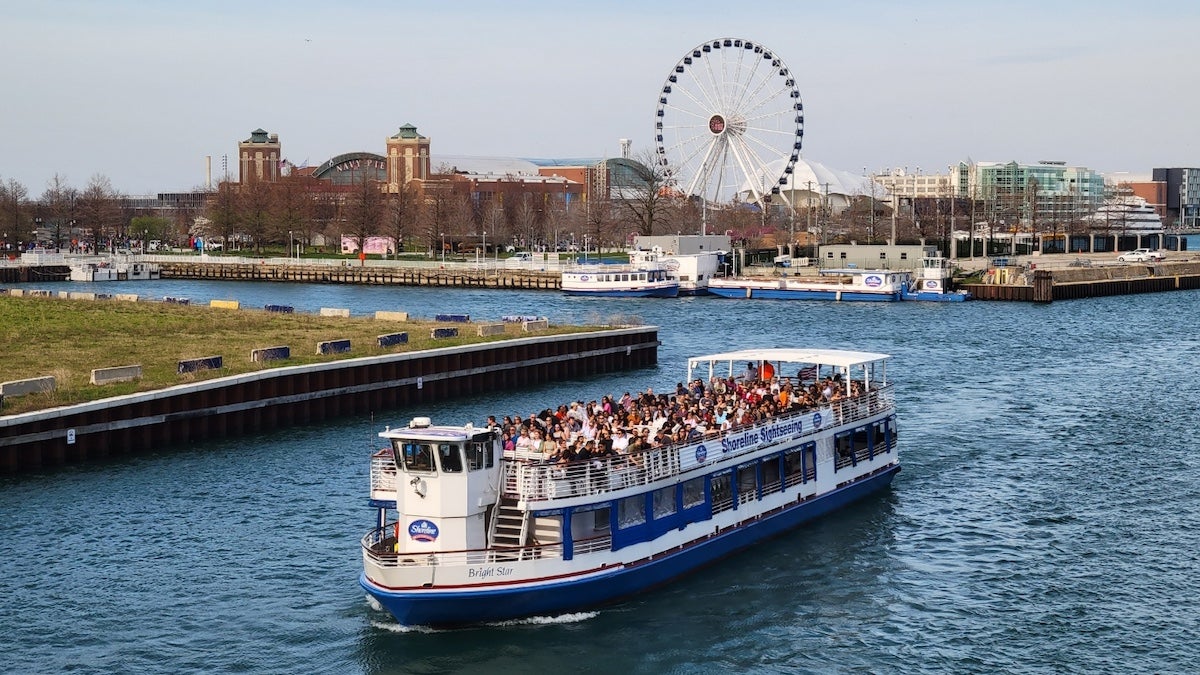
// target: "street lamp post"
[[443, 250]]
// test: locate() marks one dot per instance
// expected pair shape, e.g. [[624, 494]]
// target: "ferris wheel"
[[729, 123]]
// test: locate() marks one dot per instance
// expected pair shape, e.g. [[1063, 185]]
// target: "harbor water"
[[1047, 518]]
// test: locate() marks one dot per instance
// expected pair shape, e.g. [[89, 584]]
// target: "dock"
[[1029, 283], [377, 275]]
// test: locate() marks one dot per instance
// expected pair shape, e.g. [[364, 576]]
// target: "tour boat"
[[641, 278], [91, 271], [469, 533], [850, 285], [935, 283]]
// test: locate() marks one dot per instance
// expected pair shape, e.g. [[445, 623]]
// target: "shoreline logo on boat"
[[817, 420], [423, 530], [873, 281], [701, 454]]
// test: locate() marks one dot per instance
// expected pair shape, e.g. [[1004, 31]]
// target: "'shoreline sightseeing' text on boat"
[[470, 529]]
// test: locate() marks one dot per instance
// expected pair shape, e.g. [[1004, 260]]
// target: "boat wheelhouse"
[[467, 532]]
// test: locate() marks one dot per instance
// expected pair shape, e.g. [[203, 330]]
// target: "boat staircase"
[[510, 526]]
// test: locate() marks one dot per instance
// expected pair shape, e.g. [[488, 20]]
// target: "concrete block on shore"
[[455, 318], [392, 339], [540, 324], [487, 329], [333, 347], [33, 385], [16, 292], [271, 354], [224, 304], [391, 316], [280, 309], [440, 333], [126, 297], [62, 294], [116, 374], [74, 295], [335, 311], [172, 300], [204, 363]]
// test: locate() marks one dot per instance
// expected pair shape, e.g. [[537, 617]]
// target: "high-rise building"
[[1182, 196]]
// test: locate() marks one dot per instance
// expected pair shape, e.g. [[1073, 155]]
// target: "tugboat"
[[468, 532]]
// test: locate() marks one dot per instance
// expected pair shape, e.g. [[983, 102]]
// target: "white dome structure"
[[811, 182]]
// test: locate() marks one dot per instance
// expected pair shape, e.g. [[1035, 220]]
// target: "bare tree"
[[256, 199], [292, 210], [645, 200], [14, 199], [64, 208], [223, 213], [402, 211], [364, 210]]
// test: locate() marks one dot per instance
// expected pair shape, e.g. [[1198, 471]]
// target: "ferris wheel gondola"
[[729, 123]]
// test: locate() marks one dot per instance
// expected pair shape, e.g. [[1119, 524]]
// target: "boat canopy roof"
[[825, 357]]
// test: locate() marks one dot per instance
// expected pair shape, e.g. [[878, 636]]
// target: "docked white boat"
[[468, 533], [105, 270], [1132, 215], [849, 285], [693, 271], [93, 271], [643, 277]]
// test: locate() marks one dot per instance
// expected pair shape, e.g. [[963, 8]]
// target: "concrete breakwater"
[[264, 400], [370, 275], [1068, 283]]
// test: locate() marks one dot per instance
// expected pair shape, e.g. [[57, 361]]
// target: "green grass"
[[68, 338]]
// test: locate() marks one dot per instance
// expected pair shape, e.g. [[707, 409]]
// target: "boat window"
[[601, 521], [479, 455], [770, 474], [722, 492], [631, 511], [450, 458], [891, 422], [693, 492], [664, 502], [842, 450], [417, 457], [879, 437], [793, 467], [747, 484]]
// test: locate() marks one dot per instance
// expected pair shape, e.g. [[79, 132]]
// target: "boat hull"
[[803, 294], [541, 597], [659, 292]]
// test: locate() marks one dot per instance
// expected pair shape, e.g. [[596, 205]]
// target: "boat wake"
[[572, 617]]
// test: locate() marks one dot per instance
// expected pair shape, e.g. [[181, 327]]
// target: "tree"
[[645, 198], [293, 210], [256, 199], [65, 209], [364, 210], [13, 204], [402, 212], [223, 213]]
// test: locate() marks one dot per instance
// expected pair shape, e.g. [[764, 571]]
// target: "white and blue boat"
[[644, 277], [843, 285], [468, 533], [849, 285]]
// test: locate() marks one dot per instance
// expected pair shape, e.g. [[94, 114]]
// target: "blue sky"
[[141, 92]]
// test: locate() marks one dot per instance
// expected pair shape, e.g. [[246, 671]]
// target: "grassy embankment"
[[68, 338]]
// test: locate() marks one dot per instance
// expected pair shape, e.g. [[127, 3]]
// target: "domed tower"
[[407, 157], [258, 157]]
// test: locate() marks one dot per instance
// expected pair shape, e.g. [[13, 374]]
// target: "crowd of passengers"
[[626, 427]]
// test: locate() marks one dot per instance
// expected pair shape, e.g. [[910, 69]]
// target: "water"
[[1046, 518]]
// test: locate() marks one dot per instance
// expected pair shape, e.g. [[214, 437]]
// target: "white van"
[[520, 259]]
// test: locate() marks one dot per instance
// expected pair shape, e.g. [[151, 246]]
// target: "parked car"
[[1141, 255], [520, 259]]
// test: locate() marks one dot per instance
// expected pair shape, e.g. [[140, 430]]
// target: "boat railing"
[[380, 546], [383, 472], [533, 480]]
